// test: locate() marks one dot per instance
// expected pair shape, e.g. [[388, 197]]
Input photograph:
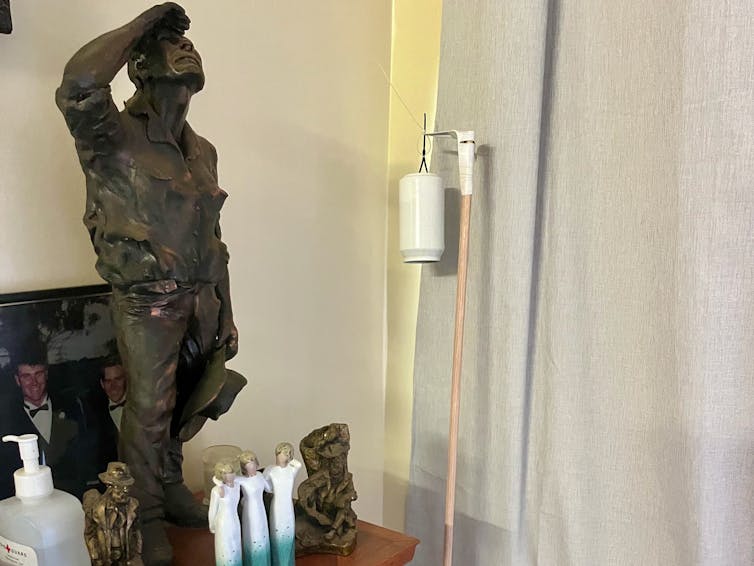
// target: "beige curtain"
[[608, 384]]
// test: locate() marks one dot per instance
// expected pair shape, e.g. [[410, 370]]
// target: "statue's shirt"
[[152, 205]]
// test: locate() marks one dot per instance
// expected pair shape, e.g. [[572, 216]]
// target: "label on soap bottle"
[[16, 554]]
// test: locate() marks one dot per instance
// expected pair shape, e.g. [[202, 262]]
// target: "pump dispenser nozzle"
[[27, 445], [32, 480]]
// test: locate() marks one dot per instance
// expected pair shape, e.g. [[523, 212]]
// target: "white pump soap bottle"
[[40, 526]]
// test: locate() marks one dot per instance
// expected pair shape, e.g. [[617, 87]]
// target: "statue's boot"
[[156, 550], [182, 508]]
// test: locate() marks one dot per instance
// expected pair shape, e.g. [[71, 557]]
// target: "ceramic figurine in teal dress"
[[223, 516], [254, 531], [282, 520]]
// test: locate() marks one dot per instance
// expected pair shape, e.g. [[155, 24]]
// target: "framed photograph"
[[61, 379]]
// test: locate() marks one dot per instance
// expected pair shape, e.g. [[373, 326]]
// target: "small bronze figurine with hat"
[[112, 530]]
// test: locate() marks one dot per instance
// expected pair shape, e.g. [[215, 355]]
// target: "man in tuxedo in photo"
[[104, 411], [113, 382], [56, 427]]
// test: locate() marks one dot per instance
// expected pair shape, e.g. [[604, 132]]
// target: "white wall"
[[298, 110]]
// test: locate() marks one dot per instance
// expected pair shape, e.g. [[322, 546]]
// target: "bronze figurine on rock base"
[[325, 522], [153, 215]]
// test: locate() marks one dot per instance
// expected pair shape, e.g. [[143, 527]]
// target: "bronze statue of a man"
[[112, 528], [152, 211]]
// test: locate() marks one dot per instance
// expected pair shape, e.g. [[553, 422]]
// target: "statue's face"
[[175, 58], [337, 467], [251, 468], [282, 459], [119, 493]]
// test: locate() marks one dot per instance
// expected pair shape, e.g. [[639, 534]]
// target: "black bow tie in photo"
[[117, 405], [33, 412]]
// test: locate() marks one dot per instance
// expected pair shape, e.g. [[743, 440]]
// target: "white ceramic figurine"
[[282, 520], [254, 531], [223, 516]]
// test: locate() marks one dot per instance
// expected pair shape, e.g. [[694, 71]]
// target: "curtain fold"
[[608, 395]]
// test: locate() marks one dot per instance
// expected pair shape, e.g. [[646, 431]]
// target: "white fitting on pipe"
[[422, 217], [466, 157]]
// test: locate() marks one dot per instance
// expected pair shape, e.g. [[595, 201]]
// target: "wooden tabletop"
[[375, 546]]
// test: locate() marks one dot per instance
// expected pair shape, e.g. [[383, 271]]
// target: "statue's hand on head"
[[169, 16]]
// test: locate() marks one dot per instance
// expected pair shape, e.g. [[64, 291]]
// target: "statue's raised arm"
[[95, 64], [84, 93]]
